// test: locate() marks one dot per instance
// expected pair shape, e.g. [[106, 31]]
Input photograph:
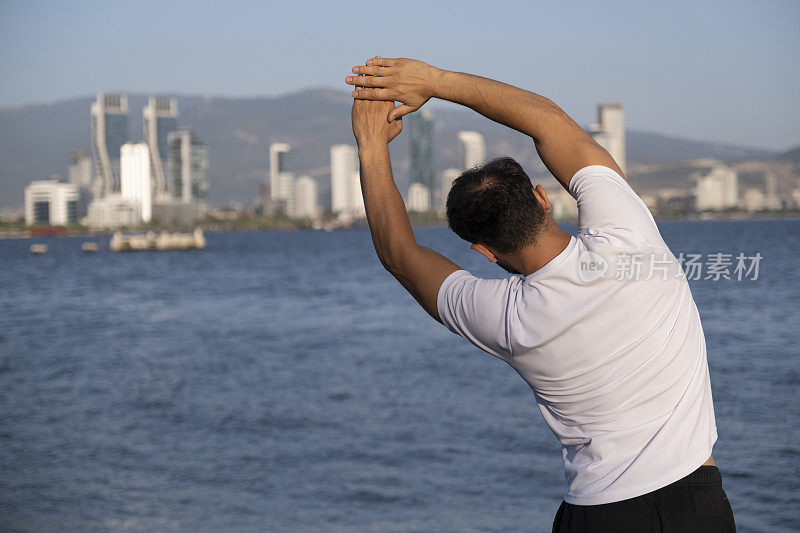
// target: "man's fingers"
[[381, 62], [401, 111], [371, 71], [372, 94], [365, 81]]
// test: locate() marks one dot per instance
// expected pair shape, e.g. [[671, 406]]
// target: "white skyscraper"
[[719, 189], [471, 149], [109, 116], [610, 132], [280, 174], [137, 186], [160, 118], [346, 181], [51, 202], [448, 176], [305, 198], [419, 198]]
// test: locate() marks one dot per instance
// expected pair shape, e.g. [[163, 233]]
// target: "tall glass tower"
[[420, 125], [109, 116], [188, 161], [160, 119]]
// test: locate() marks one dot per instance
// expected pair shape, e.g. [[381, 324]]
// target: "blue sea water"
[[284, 381]]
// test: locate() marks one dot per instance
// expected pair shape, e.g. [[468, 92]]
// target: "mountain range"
[[36, 141]]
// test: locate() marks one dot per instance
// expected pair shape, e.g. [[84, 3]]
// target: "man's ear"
[[484, 251], [541, 196]]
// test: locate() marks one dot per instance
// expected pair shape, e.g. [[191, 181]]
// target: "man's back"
[[609, 339], [603, 326]]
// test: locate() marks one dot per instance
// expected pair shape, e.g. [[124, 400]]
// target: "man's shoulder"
[[464, 279]]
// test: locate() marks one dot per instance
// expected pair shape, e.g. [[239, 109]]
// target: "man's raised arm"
[[419, 269], [563, 145]]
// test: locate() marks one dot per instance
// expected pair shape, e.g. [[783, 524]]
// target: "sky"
[[717, 70]]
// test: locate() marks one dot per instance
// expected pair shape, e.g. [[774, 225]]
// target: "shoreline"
[[215, 227]]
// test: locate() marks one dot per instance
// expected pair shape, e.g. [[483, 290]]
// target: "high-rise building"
[[160, 118], [188, 161], [80, 169], [109, 126], [772, 199], [305, 198], [448, 176], [80, 175], [420, 128], [609, 132], [754, 199], [136, 177], [719, 189], [419, 198], [51, 202], [471, 149], [281, 175], [346, 195]]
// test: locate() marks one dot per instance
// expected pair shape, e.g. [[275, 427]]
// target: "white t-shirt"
[[609, 339]]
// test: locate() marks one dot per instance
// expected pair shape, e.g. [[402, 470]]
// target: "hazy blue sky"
[[719, 70]]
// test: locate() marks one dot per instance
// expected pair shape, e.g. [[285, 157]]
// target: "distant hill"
[[791, 156], [36, 140], [646, 147]]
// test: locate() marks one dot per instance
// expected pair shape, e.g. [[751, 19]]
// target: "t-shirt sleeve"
[[606, 200], [477, 309]]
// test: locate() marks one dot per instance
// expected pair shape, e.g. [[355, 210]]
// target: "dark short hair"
[[495, 205]]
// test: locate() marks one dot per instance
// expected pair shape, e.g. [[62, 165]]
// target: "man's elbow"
[[385, 263], [395, 262]]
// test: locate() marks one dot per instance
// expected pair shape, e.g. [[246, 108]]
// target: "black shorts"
[[694, 503]]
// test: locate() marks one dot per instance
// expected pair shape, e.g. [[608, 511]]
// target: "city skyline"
[[129, 187]]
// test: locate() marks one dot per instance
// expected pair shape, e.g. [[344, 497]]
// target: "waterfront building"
[[562, 205], [51, 202], [420, 128], [609, 132], [186, 167], [471, 149], [754, 200], [281, 175], [717, 190], [346, 197], [109, 130], [80, 169], [305, 198], [446, 180], [113, 212], [160, 118], [772, 199], [136, 178], [80, 175], [419, 198]]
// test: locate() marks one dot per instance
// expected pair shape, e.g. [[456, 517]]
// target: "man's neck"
[[552, 242]]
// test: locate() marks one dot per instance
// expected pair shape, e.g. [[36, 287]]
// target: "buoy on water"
[[89, 247], [38, 249]]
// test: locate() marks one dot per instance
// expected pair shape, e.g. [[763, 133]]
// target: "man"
[[601, 325]]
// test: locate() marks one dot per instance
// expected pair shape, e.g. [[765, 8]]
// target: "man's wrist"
[[372, 147], [442, 82]]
